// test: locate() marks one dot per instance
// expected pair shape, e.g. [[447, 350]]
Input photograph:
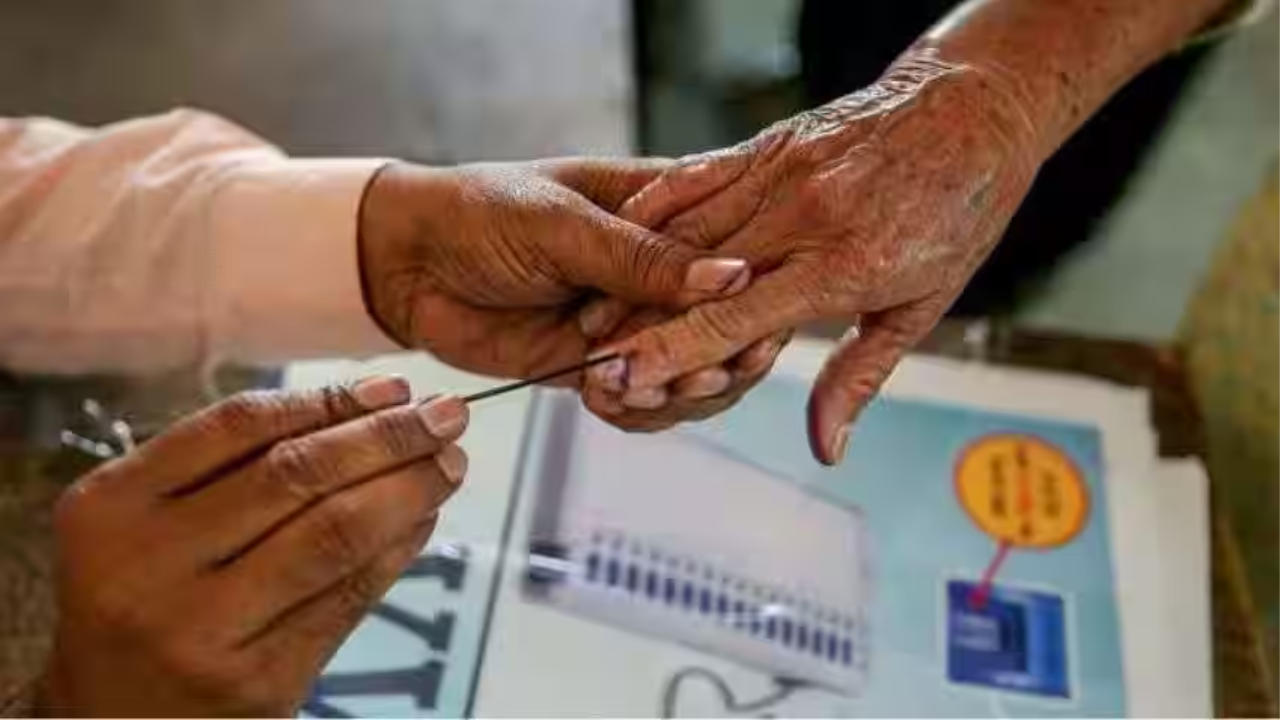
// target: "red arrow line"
[[978, 598]]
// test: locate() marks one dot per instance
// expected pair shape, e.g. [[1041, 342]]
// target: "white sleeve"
[[177, 239]]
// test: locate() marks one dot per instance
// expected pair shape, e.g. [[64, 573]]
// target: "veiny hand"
[[215, 570], [876, 209], [487, 266]]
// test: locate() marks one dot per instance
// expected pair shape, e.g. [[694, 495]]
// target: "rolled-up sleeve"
[[174, 240]]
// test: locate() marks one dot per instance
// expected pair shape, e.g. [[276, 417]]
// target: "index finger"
[[709, 334], [691, 181], [223, 435], [245, 506], [607, 182]]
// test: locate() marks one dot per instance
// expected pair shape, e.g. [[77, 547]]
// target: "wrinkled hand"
[[696, 396], [876, 209], [215, 570], [487, 266]]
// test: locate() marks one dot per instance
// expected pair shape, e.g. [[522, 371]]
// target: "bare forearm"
[[1064, 58]]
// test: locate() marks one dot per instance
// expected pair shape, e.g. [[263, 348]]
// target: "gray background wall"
[[434, 79]]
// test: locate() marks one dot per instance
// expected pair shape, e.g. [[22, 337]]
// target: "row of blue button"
[[616, 544], [788, 632]]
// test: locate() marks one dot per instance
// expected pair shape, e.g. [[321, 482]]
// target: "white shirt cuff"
[[285, 269]]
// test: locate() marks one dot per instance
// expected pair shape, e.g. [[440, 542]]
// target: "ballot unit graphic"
[[671, 536]]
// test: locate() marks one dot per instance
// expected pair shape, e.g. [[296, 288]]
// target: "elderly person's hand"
[[486, 266], [692, 397], [875, 209], [215, 570]]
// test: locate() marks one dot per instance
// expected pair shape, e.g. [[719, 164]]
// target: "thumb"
[[639, 266], [855, 372], [688, 196]]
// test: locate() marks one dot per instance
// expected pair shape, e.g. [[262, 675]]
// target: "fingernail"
[[612, 375], [717, 275], [445, 417], [592, 318], [381, 391], [453, 463], [645, 398], [839, 445]]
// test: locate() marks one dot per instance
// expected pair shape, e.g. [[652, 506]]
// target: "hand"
[[877, 208], [486, 266], [696, 396], [216, 570]]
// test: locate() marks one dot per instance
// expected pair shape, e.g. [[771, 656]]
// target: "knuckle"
[[253, 411], [339, 402], [274, 413], [718, 323], [338, 532], [807, 153], [664, 343], [402, 433], [817, 300], [648, 258], [709, 225], [815, 202], [699, 229], [296, 466], [817, 293], [356, 593], [668, 184]]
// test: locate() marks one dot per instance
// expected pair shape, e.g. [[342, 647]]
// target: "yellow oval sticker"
[[1022, 491]]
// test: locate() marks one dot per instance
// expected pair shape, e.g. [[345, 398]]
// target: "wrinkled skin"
[[215, 570], [878, 207], [697, 396], [486, 266]]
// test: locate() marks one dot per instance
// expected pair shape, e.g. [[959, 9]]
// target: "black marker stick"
[[519, 385]]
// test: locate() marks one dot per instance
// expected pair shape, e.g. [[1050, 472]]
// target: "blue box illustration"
[[1011, 639]]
